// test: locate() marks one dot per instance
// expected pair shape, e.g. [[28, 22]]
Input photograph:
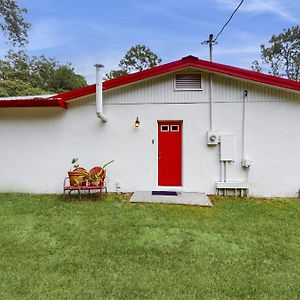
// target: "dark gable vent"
[[188, 82]]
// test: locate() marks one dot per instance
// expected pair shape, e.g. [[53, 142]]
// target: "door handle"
[[159, 155]]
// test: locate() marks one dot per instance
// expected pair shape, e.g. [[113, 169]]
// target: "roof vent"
[[188, 82]]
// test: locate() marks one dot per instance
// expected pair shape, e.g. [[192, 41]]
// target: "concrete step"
[[187, 198]]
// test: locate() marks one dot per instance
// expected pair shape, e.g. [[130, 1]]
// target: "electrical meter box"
[[213, 138]]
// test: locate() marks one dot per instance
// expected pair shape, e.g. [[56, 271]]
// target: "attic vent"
[[188, 82]]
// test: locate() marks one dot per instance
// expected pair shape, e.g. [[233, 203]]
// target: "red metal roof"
[[35, 102], [185, 62]]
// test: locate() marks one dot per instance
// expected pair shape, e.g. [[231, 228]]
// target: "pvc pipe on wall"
[[210, 103], [99, 104], [221, 171], [243, 124]]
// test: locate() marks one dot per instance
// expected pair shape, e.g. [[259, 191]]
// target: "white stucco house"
[[203, 126]]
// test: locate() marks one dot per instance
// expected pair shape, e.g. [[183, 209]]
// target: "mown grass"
[[52, 248]]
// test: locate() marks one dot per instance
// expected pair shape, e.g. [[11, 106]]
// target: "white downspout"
[[99, 104]]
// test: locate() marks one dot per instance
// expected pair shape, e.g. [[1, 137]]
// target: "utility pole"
[[210, 42]]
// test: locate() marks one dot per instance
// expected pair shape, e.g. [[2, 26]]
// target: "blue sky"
[[91, 31]]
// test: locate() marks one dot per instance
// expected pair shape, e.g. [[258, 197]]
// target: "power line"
[[211, 40], [228, 20]]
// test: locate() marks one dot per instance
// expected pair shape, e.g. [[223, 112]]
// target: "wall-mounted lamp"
[[137, 123]]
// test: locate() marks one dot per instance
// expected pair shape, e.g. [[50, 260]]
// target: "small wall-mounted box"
[[247, 162], [213, 138]]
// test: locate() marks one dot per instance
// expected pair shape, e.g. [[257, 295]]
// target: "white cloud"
[[275, 7]]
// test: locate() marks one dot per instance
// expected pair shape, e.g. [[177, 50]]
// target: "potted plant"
[[95, 178], [97, 174], [78, 175]]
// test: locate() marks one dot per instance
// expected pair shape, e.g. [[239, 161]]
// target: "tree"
[[64, 79], [114, 74], [282, 57], [18, 87], [12, 22], [24, 75], [137, 58]]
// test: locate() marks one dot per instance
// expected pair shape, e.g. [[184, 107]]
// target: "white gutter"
[[99, 103]]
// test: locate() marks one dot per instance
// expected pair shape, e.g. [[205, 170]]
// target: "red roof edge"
[[39, 102], [80, 92]]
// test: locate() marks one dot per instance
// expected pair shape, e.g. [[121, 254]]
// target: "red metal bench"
[[101, 187]]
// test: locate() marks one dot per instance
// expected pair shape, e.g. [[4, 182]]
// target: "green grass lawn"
[[56, 249]]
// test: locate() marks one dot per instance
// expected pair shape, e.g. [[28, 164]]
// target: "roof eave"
[[33, 103]]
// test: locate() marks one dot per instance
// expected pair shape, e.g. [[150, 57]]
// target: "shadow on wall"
[[31, 114]]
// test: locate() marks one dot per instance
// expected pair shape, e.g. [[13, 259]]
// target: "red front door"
[[169, 153]]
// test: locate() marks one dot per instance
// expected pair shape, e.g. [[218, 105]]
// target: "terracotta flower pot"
[[78, 176], [99, 172]]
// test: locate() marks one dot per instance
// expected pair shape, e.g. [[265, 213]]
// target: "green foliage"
[[114, 74], [108, 163], [24, 75], [18, 87], [75, 163], [12, 22], [282, 56], [137, 58], [64, 79], [36, 75]]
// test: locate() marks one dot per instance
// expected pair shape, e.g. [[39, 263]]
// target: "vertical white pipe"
[[221, 171], [210, 103], [99, 103], [243, 124]]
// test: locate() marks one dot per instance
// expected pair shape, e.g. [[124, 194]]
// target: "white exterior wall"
[[37, 144]]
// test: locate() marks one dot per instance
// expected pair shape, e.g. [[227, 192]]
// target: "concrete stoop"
[[187, 198]]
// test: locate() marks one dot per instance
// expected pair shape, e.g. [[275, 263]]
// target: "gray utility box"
[[226, 148]]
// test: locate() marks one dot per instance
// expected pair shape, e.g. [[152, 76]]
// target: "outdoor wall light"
[[137, 123]]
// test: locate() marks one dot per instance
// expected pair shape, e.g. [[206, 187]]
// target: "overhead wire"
[[215, 39]]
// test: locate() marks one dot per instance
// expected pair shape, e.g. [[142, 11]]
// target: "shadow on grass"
[[94, 197]]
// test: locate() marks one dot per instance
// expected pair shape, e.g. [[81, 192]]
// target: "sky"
[[97, 31]]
